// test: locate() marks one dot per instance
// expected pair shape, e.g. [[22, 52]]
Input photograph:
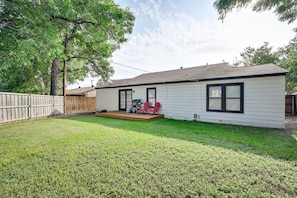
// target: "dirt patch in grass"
[[291, 124]]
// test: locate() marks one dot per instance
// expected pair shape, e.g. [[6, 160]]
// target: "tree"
[[40, 35], [257, 56], [284, 9], [288, 60], [26, 47], [285, 57]]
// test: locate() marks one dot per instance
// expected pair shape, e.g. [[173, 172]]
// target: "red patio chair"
[[145, 108], [155, 109]]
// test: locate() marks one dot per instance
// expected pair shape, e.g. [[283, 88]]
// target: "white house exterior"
[[251, 96]]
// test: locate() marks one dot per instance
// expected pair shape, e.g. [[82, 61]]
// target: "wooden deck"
[[129, 116]]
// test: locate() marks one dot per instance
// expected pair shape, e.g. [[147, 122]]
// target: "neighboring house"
[[252, 96], [82, 91]]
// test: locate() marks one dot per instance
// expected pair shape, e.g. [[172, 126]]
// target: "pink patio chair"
[[155, 109], [145, 108]]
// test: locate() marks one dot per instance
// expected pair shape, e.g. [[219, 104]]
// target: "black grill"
[[136, 103]]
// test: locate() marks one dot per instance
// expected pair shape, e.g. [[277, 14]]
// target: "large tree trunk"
[[55, 77]]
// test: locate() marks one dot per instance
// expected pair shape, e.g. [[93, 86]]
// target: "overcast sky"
[[169, 34]]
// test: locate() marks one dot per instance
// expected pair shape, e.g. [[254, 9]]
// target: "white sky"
[[169, 34]]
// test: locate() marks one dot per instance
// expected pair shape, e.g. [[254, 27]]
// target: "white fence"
[[14, 107]]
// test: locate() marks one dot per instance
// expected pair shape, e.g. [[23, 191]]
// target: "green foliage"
[[285, 57], [97, 157], [257, 56], [84, 33], [25, 49], [288, 60], [284, 9]]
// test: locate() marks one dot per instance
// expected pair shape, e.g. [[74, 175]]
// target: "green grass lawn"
[[88, 156]]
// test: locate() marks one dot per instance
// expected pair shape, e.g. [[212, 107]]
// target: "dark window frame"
[[224, 97], [147, 93]]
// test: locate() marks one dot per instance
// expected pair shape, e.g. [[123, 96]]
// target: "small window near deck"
[[151, 95]]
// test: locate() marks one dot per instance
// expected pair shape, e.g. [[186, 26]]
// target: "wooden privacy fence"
[[291, 104], [14, 106], [80, 104]]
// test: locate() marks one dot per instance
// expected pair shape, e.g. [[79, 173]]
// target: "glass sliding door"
[[125, 99]]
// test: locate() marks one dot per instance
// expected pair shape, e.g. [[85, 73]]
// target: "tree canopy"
[[288, 60], [284, 9], [36, 36], [285, 57], [257, 56]]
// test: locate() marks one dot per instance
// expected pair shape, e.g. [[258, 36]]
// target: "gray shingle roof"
[[199, 73], [79, 91]]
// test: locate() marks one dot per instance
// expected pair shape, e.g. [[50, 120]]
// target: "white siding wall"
[[264, 102], [139, 92], [182, 101], [107, 99]]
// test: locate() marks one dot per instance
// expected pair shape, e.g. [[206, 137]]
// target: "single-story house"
[[251, 96], [82, 91]]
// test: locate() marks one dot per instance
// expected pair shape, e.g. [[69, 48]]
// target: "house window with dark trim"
[[225, 97], [151, 95]]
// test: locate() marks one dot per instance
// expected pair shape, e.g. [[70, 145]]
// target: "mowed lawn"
[[88, 156]]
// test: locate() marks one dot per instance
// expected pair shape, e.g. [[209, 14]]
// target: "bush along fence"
[[14, 106]]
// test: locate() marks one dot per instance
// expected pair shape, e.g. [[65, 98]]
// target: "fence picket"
[[291, 104], [15, 106], [80, 104]]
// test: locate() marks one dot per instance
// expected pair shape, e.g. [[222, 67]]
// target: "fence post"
[[29, 107], [53, 107], [295, 105], [64, 103]]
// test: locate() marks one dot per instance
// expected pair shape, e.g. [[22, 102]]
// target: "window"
[[151, 95], [225, 97]]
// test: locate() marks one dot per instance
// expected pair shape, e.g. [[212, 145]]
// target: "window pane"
[[129, 97], [233, 104], [215, 91], [123, 93], [215, 104], [233, 91], [151, 93]]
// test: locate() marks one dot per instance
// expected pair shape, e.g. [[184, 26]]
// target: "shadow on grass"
[[261, 141]]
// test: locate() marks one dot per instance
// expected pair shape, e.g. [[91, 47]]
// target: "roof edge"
[[201, 80]]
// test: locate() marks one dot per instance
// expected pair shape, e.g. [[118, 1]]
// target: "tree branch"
[[78, 21], [72, 36], [78, 57], [92, 49]]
